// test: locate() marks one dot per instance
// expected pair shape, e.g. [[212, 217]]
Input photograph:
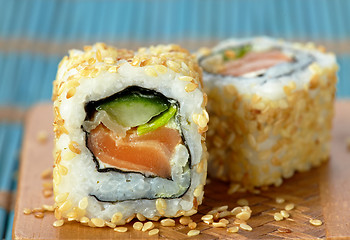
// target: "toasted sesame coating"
[[256, 141]]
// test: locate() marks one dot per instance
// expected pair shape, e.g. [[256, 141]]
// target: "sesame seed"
[[98, 222], [37, 210], [219, 224], [190, 87], [47, 173], [58, 223], [161, 69], [198, 191], [65, 206], [192, 233], [91, 61], [49, 208], [280, 200], [186, 78], [47, 193], [72, 216], [239, 221], [161, 205], [117, 217], [167, 222], [243, 202], [42, 136], [192, 225], [27, 211], [151, 72], [140, 217], [315, 222], [233, 229], [289, 206], [207, 217], [243, 215], [129, 219], [113, 69], [212, 212], [62, 169], [147, 226], [221, 208], [61, 197], [73, 146], [233, 188], [137, 226], [190, 212], [245, 227], [83, 203], [121, 229], [224, 214], [285, 214], [278, 216], [84, 220], [98, 56], [153, 232], [185, 220], [110, 224], [39, 215]]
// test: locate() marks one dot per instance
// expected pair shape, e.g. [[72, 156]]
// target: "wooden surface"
[[322, 193]]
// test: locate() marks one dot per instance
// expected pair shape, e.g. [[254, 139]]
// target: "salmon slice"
[[254, 61], [149, 153]]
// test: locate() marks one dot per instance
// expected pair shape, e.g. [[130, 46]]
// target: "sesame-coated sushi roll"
[[271, 109], [129, 135]]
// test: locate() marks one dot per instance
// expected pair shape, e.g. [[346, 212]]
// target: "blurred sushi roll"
[[129, 135], [271, 106]]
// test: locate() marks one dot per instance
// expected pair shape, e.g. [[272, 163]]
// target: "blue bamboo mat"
[[35, 34]]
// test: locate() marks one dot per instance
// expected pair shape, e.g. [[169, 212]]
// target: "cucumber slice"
[[134, 109], [158, 121]]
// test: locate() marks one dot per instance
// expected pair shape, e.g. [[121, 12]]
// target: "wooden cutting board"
[[322, 193]]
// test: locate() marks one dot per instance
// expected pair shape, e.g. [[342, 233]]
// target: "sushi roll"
[[129, 135], [271, 108]]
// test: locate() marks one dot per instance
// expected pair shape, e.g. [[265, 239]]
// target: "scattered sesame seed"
[[190, 212], [140, 217], [315, 222], [147, 226], [161, 205], [185, 220], [289, 206], [192, 225], [221, 208], [35, 210], [121, 229], [153, 232], [207, 217], [39, 215], [278, 216], [42, 136], [137, 226], [83, 203], [192, 233], [190, 87], [27, 211], [245, 227], [47, 193], [236, 210], [84, 220], [49, 208], [285, 214], [58, 223], [233, 229], [98, 222], [244, 215], [224, 220], [224, 214], [116, 217], [280, 200], [47, 173], [167, 222], [110, 224], [219, 224], [243, 202]]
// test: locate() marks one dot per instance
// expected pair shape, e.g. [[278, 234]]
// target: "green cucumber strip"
[[158, 121], [134, 109], [239, 52]]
